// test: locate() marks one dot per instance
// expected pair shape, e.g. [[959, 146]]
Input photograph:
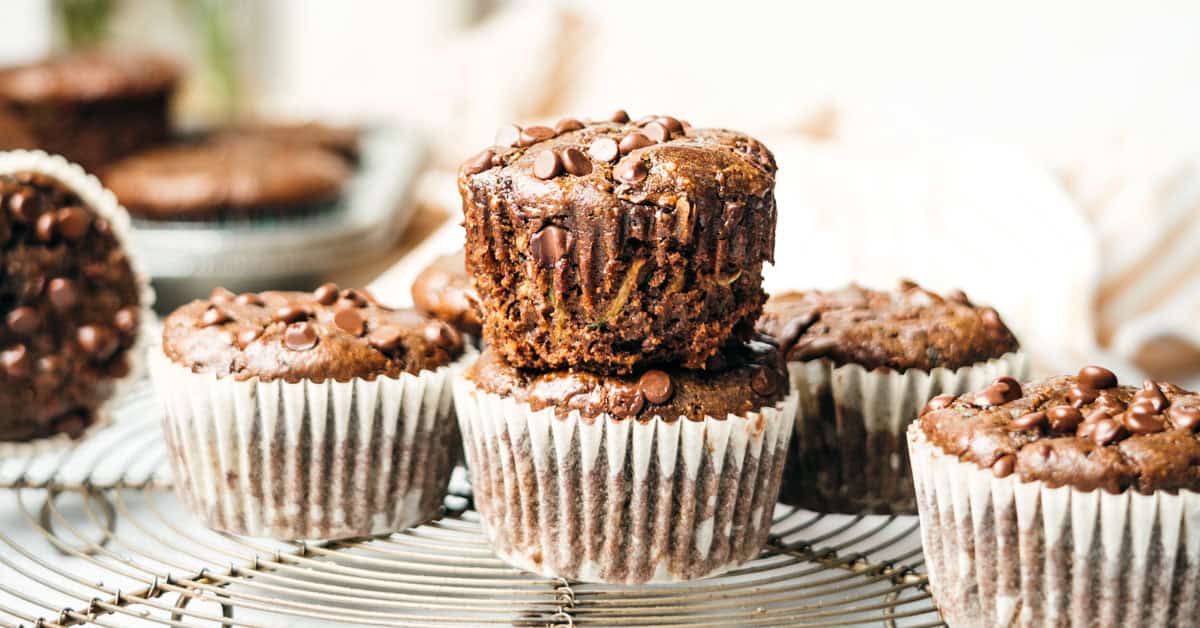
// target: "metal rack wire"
[[91, 535]]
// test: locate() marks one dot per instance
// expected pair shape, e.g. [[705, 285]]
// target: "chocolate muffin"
[[70, 301], [864, 362], [343, 140], [444, 291], [228, 178], [308, 415], [93, 107], [1069, 501], [614, 245], [663, 475]]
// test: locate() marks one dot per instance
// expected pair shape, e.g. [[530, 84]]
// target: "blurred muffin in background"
[[343, 140], [444, 291], [228, 177], [92, 107]]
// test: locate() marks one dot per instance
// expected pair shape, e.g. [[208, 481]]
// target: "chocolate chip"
[[214, 315], [547, 165], [97, 341], [326, 294], [1096, 377], [126, 319], [657, 132], [619, 116], [62, 293], [45, 228], [220, 295], [567, 124], [604, 149], [1087, 429], [289, 314], [1140, 422], [478, 162], [247, 336], [1003, 390], [1151, 393], [248, 298], [16, 361], [23, 205], [1064, 418], [1080, 395], [625, 401], [358, 297], [1107, 431], [1183, 417], [23, 320], [634, 141], [631, 170], [575, 162], [673, 125], [764, 381], [549, 245], [73, 222], [1029, 421], [442, 335], [300, 336], [534, 134], [656, 386], [508, 135], [1004, 466], [349, 321], [386, 338], [937, 403]]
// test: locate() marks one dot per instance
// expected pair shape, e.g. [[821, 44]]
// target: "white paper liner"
[[622, 501], [1004, 552], [309, 460], [849, 453], [104, 203]]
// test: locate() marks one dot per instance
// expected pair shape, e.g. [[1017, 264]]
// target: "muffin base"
[[849, 453], [622, 501], [1004, 552], [309, 460]]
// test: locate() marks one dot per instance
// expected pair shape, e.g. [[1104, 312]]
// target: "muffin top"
[[1084, 431], [343, 140], [910, 328], [444, 291], [324, 334], [222, 175], [589, 169], [87, 76], [742, 378], [70, 303]]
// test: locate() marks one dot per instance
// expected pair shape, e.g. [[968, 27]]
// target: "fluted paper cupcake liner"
[[622, 500], [309, 460], [849, 453], [1005, 552], [105, 204]]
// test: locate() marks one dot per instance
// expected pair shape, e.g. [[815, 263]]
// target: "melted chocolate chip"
[[631, 170], [656, 386], [1064, 418], [566, 125], [634, 141], [16, 361], [214, 315], [534, 134], [575, 162], [62, 292], [619, 116], [673, 125], [1185, 418], [549, 245], [247, 336], [1004, 466], [24, 320], [441, 334], [386, 338], [547, 165], [300, 336], [248, 298], [1107, 431], [1029, 421], [657, 132], [1080, 395], [937, 403], [73, 222], [97, 341], [1097, 377], [625, 401], [479, 162], [1150, 393], [604, 150], [45, 227], [289, 314], [326, 294], [349, 321], [1140, 422], [1001, 391]]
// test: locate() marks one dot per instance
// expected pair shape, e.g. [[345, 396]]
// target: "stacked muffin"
[[622, 425]]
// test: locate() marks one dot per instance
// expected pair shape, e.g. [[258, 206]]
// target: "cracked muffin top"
[[909, 328], [1084, 431]]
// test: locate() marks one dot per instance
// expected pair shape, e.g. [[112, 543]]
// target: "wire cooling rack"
[[92, 535]]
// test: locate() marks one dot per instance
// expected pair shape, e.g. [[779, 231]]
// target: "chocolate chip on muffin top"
[[904, 329], [742, 378], [326, 334], [617, 244], [70, 304], [1084, 431]]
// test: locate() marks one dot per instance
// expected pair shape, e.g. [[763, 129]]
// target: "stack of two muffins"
[[622, 425]]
